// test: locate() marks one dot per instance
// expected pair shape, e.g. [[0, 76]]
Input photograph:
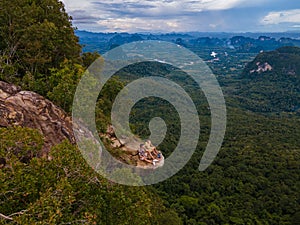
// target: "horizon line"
[[187, 32]]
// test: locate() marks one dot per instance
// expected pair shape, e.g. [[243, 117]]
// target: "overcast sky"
[[184, 15]]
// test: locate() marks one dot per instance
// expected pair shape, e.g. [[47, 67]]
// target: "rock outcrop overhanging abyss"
[[29, 109]]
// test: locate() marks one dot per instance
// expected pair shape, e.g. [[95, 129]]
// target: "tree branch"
[[10, 216], [19, 213], [5, 217]]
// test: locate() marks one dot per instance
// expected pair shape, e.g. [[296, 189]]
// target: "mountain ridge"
[[242, 42], [270, 83]]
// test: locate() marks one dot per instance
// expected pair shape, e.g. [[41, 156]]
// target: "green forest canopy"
[[254, 180]]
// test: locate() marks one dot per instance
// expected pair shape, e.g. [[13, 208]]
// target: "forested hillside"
[[255, 178], [271, 82], [39, 52]]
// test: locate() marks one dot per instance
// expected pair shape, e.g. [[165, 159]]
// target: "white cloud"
[[288, 16], [134, 15], [203, 5], [129, 24], [159, 6], [71, 5], [174, 15]]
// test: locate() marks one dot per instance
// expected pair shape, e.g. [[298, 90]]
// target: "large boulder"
[[28, 109]]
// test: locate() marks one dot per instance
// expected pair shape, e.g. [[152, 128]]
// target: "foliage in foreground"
[[65, 190]]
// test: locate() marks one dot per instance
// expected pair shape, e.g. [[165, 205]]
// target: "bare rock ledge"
[[28, 109]]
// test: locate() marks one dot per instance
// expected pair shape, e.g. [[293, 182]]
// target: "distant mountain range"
[[269, 83], [244, 42]]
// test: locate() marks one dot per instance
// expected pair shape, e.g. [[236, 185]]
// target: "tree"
[[88, 58], [62, 84], [65, 190], [35, 35]]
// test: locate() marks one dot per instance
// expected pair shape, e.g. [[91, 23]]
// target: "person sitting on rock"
[[143, 154], [151, 149]]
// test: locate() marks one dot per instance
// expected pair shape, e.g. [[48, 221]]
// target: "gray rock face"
[[28, 109]]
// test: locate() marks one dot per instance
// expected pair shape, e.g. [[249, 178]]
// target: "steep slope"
[[63, 190]]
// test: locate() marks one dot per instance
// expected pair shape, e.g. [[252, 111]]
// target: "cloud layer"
[[184, 15], [289, 16]]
